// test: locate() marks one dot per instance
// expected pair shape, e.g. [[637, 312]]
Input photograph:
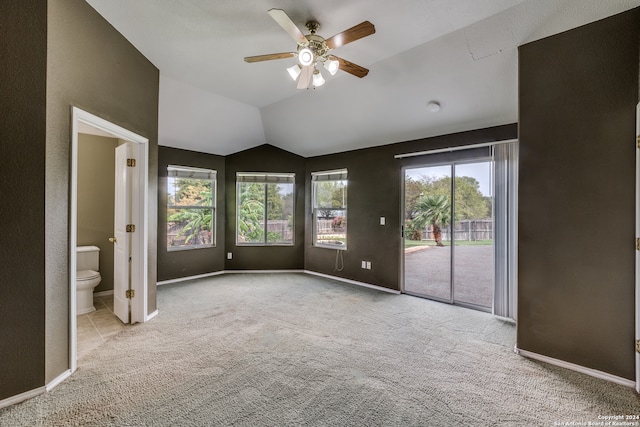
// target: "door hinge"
[[638, 346], [131, 163], [130, 293], [131, 228], [638, 141]]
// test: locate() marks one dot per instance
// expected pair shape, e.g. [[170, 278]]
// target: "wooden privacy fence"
[[328, 226], [281, 227], [469, 230]]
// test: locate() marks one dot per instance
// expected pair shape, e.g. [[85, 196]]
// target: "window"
[[264, 208], [190, 208], [330, 209]]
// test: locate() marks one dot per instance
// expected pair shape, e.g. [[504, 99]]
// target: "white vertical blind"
[[506, 229]]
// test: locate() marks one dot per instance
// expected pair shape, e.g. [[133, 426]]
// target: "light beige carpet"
[[293, 350]]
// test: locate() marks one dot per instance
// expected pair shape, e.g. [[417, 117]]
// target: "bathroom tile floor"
[[98, 326]]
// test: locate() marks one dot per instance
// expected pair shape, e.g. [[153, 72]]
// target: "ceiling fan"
[[314, 50]]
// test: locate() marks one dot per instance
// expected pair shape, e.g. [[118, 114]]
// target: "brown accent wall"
[[192, 262], [578, 94], [92, 66], [374, 191], [23, 35], [265, 158]]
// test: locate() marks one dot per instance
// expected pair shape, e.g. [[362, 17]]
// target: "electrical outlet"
[[229, 255], [368, 265], [364, 264], [383, 220]]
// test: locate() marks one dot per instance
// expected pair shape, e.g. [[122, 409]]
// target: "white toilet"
[[87, 277]]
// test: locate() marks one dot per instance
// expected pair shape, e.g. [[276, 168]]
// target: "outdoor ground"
[[428, 270]]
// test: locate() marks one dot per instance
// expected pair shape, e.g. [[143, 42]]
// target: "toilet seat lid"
[[87, 275]]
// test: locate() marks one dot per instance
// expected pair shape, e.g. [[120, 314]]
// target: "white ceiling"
[[462, 53]]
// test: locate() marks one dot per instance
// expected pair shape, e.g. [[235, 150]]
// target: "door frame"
[[403, 213], [140, 198], [637, 254], [452, 164], [467, 147]]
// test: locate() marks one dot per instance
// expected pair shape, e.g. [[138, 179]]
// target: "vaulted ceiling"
[[461, 53]]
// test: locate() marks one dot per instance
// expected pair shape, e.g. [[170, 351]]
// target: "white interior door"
[[122, 243]]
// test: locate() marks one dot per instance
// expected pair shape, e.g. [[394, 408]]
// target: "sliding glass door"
[[448, 230], [427, 253], [473, 261]]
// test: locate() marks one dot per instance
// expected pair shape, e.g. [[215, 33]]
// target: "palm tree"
[[435, 210]]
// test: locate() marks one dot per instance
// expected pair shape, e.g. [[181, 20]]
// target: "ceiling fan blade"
[[269, 57], [361, 30], [281, 17], [350, 67], [305, 77]]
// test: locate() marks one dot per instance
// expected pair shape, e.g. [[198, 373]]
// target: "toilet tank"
[[87, 258]]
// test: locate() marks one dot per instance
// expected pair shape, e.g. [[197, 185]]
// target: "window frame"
[[179, 171], [266, 178], [324, 176]]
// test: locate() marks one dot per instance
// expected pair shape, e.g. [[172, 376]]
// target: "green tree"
[[435, 210], [251, 212], [195, 224], [331, 195], [470, 203], [275, 202], [279, 212], [412, 230], [413, 190]]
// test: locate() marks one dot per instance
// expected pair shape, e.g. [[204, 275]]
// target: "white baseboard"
[[218, 273], [151, 316], [261, 271], [22, 397], [353, 282], [184, 279], [578, 368], [35, 392], [314, 273], [63, 376], [103, 293]]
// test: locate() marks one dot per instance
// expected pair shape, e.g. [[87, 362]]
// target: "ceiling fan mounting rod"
[[313, 26]]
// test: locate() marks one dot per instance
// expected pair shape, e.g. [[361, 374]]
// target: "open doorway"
[[130, 276]]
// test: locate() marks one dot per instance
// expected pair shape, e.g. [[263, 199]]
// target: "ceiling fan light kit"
[[305, 57], [314, 51], [332, 66], [294, 71], [318, 80]]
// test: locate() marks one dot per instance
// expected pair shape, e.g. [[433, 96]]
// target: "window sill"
[[339, 246], [266, 245], [188, 248]]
